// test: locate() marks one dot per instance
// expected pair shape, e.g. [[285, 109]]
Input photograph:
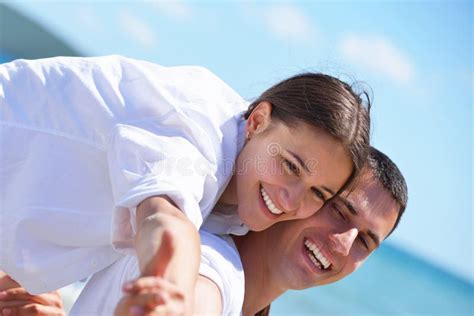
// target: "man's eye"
[[363, 242], [291, 167], [319, 194]]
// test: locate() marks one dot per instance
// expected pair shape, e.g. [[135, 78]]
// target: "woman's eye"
[[319, 194], [291, 167]]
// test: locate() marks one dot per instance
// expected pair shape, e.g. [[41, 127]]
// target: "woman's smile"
[[267, 205]]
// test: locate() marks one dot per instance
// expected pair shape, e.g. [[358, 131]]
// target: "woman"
[[86, 142]]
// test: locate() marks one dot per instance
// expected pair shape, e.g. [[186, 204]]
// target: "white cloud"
[[137, 29], [288, 23], [175, 9], [377, 54]]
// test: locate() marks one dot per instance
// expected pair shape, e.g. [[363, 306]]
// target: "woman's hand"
[[16, 301], [152, 296]]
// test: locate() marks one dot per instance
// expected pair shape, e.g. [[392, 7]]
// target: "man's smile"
[[316, 256]]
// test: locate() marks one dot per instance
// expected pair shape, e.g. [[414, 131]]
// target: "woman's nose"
[[291, 197]]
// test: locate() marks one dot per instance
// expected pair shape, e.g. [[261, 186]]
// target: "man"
[[329, 245], [315, 251]]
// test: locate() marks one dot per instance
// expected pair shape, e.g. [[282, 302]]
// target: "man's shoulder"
[[220, 262], [219, 253]]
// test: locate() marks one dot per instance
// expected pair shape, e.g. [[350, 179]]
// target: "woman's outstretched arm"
[[159, 218]]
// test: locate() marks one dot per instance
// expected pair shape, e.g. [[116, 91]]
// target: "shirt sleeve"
[[220, 262], [155, 158]]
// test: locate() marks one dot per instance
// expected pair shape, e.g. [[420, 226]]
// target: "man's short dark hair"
[[387, 173]]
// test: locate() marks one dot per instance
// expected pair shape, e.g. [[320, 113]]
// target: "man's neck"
[[229, 196], [260, 287]]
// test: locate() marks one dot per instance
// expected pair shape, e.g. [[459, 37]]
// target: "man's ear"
[[260, 119]]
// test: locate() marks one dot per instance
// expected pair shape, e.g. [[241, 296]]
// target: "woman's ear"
[[260, 119]]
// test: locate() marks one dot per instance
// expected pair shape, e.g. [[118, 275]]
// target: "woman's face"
[[285, 173]]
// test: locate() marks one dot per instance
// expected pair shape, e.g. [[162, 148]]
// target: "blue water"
[[392, 282], [5, 57]]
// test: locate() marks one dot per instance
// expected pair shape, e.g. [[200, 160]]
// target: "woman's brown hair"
[[325, 102]]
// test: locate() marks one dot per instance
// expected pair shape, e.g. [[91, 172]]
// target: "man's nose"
[[342, 242], [290, 197]]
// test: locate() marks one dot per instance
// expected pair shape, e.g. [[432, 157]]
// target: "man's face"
[[335, 241]]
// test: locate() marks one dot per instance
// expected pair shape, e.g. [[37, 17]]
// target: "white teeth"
[[273, 209], [315, 262], [317, 255]]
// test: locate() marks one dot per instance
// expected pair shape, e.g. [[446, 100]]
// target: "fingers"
[[148, 304], [152, 284], [140, 284], [20, 294], [33, 310], [149, 300], [160, 261], [17, 293], [174, 309], [152, 296], [136, 305], [15, 303], [6, 282], [52, 299]]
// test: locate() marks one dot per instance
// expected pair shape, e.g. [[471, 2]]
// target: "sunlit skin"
[[347, 230], [298, 167]]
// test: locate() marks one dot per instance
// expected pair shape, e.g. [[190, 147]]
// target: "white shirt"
[[84, 140], [220, 262]]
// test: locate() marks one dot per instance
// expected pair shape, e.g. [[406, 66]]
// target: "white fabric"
[[84, 140], [220, 262], [222, 221], [104, 289]]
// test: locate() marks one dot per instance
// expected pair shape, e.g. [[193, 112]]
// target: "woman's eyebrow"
[[300, 161]]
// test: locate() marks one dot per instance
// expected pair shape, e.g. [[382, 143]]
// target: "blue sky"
[[415, 56]]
